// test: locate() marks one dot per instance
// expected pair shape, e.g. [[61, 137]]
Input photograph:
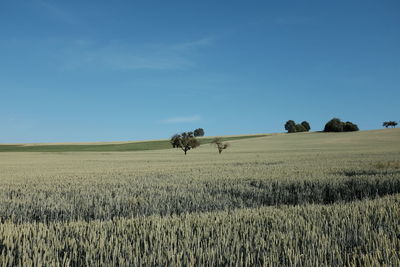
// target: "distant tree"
[[290, 126], [350, 127], [390, 123], [300, 128], [306, 125], [219, 144], [199, 132], [184, 141], [336, 125]]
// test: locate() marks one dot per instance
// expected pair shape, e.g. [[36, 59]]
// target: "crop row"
[[358, 233], [131, 196]]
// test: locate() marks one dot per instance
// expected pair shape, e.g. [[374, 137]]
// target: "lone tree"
[[184, 141], [390, 123], [199, 132], [219, 144]]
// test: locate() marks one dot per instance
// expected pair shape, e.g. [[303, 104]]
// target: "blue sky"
[[136, 70]]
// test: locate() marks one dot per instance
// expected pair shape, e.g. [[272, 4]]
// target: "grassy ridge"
[[129, 146]]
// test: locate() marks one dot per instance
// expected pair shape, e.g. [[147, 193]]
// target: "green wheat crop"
[[307, 199]]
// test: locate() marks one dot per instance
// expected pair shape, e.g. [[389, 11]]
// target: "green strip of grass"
[[134, 146]]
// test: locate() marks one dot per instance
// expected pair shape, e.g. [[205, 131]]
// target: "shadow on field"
[[319, 192], [352, 173]]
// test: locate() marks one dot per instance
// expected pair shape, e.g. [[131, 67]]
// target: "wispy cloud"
[[206, 41], [124, 56], [182, 119]]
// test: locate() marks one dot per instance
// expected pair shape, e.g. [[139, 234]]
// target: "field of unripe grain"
[[305, 199]]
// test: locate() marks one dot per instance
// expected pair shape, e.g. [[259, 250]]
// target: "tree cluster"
[[392, 124], [292, 127], [336, 125]]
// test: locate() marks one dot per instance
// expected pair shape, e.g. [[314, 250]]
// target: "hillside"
[[106, 146], [275, 142], [269, 200]]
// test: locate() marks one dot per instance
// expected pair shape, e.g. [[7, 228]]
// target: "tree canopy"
[[336, 125], [184, 141], [306, 125], [198, 132], [219, 144], [292, 127], [392, 124]]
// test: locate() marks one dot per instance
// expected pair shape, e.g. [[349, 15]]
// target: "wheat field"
[[306, 199]]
